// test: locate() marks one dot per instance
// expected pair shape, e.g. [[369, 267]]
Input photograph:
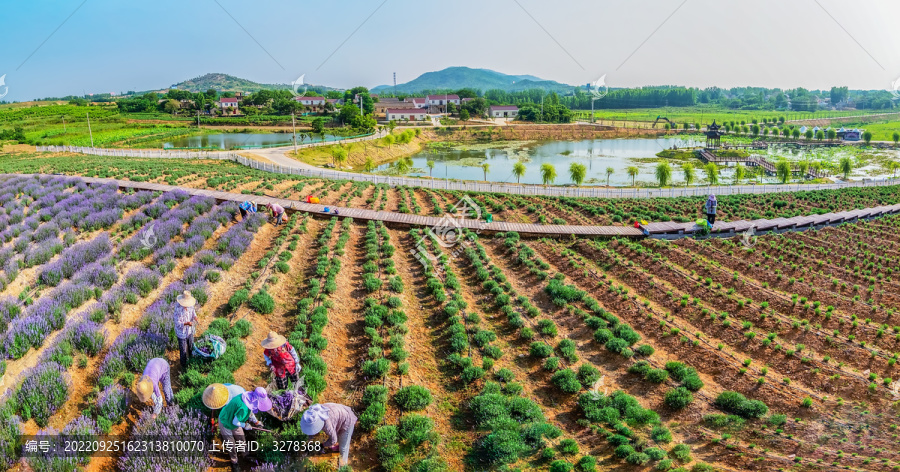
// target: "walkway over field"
[[286, 165], [668, 230]]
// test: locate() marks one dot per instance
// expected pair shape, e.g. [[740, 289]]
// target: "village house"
[[440, 102], [411, 114], [384, 104], [311, 101], [503, 111], [225, 103], [418, 102]]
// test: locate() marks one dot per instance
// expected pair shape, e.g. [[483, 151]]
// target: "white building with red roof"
[[225, 103], [418, 102]]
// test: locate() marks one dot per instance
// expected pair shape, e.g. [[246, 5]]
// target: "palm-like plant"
[[896, 138], [739, 172], [369, 166], [430, 164], [846, 166], [815, 167], [519, 170], [712, 173], [609, 172], [689, 176], [405, 164], [485, 168], [632, 172], [663, 173], [548, 173], [577, 173], [783, 170], [341, 157], [803, 167]]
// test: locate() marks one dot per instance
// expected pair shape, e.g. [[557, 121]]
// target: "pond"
[[463, 162], [238, 140]]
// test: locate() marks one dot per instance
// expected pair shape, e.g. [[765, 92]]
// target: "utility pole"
[[294, 126], [64, 124], [89, 129]]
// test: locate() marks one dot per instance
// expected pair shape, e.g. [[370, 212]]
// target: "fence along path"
[[469, 186], [386, 216], [668, 230]]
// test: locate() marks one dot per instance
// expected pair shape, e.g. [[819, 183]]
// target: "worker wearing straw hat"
[[237, 415], [335, 420], [277, 212], [218, 395], [147, 388], [246, 208], [184, 319], [281, 358]]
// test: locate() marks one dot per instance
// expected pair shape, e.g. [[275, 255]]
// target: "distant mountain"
[[481, 79]]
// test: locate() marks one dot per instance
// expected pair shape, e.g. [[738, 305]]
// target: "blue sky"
[[113, 46]]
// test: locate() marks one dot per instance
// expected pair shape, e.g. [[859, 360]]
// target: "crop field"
[[232, 177], [500, 353]]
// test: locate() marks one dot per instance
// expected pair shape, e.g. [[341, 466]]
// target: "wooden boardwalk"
[[671, 230], [388, 216], [666, 230]]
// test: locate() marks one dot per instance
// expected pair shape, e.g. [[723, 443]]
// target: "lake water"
[[463, 162], [233, 140]]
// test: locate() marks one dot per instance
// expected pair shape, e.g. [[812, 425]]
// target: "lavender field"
[[74, 259]]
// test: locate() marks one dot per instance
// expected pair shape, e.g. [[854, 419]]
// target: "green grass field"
[[706, 115]]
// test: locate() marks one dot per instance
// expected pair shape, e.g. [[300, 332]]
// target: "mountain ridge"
[[480, 79]]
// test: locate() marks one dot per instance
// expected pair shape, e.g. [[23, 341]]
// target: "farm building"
[[412, 114], [503, 111], [442, 100], [225, 103], [311, 101], [384, 104]]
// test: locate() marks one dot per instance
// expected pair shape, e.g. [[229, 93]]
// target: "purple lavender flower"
[[158, 320], [88, 337], [144, 348], [23, 333], [74, 258], [173, 423], [101, 219], [111, 403], [42, 252], [44, 389], [141, 281]]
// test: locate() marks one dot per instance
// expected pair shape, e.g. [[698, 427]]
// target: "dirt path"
[[344, 331], [426, 352]]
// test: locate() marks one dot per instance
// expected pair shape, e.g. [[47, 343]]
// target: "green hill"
[[224, 83], [481, 79]]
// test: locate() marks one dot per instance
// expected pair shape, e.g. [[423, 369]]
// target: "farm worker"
[[246, 208], [237, 415], [336, 420], [277, 212], [147, 388], [710, 208], [185, 316], [281, 358], [218, 395]]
